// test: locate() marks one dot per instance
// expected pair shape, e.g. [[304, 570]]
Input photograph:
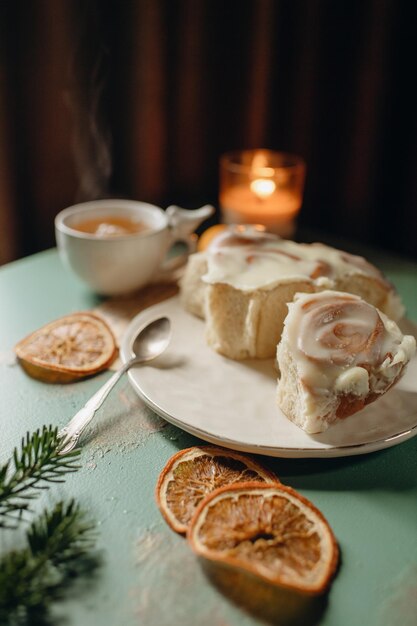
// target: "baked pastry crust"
[[241, 284]]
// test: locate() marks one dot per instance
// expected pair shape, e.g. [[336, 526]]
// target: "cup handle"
[[182, 224]]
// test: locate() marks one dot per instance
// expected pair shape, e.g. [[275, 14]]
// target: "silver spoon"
[[149, 343]]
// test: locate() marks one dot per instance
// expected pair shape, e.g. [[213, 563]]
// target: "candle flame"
[[263, 187]]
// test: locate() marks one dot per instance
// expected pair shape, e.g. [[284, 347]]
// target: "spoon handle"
[[71, 433]]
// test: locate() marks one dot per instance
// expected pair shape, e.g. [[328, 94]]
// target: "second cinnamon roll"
[[337, 354]]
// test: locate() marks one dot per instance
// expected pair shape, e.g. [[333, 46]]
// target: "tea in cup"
[[118, 246]]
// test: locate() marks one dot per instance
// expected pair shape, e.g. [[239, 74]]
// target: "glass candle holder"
[[262, 187]]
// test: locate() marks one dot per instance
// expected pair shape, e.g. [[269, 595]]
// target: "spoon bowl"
[[150, 342]]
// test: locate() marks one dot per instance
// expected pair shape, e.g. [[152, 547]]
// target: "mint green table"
[[149, 575]]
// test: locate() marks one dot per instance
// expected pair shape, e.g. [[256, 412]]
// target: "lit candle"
[[262, 187]]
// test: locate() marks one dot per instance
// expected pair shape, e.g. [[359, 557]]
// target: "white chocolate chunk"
[[354, 380]]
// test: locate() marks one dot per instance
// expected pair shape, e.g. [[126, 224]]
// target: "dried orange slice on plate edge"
[[208, 235], [191, 474], [69, 348], [268, 530]]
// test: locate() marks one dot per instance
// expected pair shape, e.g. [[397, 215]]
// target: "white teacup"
[[114, 264]]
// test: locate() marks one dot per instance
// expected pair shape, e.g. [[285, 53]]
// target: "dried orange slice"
[[69, 348], [269, 530], [208, 235], [193, 473]]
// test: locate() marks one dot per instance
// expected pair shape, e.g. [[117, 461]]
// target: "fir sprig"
[[30, 469], [58, 542], [58, 548]]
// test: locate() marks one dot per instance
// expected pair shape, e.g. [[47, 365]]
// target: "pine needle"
[[58, 542], [58, 548], [32, 468]]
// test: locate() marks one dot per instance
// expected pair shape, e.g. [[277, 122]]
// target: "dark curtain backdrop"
[[138, 99]]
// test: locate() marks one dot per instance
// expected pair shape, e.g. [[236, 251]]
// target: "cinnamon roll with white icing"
[[337, 354], [241, 284]]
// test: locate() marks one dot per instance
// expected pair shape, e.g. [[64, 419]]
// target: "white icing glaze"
[[342, 344], [248, 258]]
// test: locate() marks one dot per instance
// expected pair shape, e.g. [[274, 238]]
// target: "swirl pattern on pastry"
[[340, 329]]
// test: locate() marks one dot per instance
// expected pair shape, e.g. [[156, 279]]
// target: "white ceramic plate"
[[232, 403]]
